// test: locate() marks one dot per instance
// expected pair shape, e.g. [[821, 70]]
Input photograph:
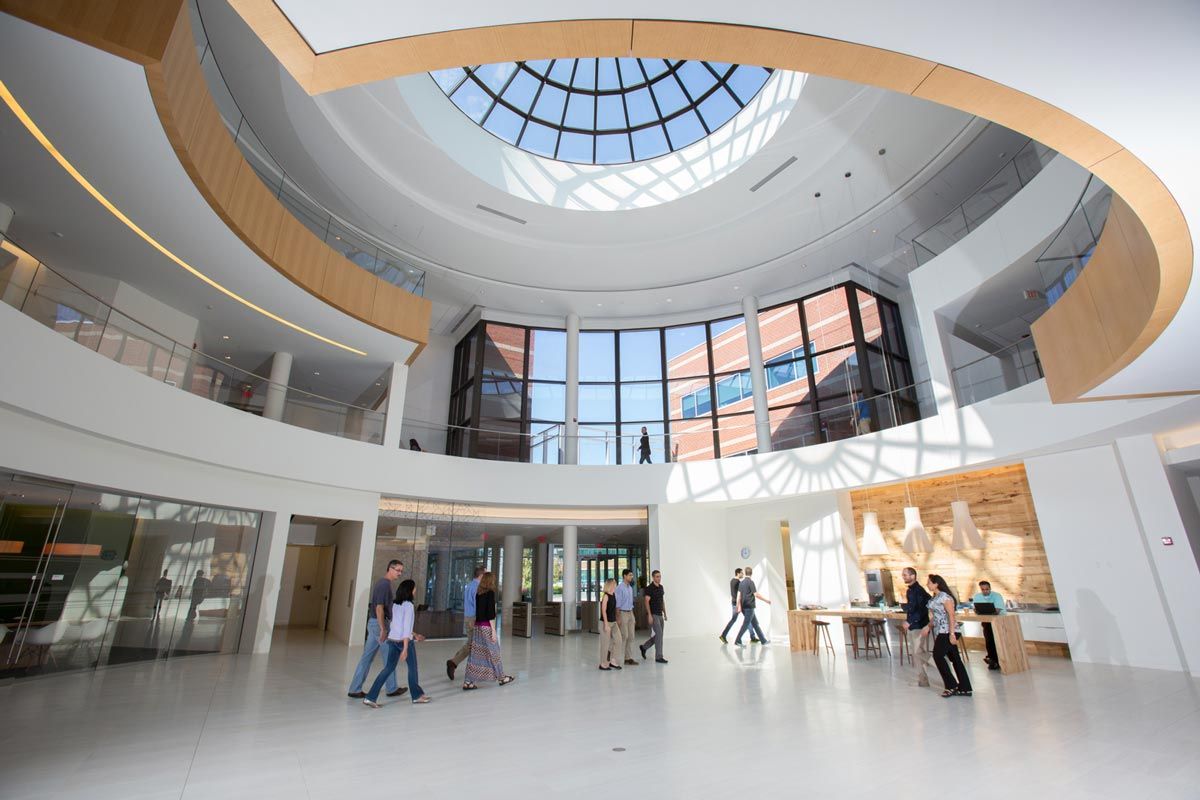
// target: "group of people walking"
[[932, 633], [390, 625], [617, 621]]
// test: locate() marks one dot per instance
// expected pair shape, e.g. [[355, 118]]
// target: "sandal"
[[950, 693], [507, 679], [370, 703], [469, 686], [422, 699], [962, 693]]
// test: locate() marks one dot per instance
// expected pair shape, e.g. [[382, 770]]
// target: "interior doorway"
[[305, 586]]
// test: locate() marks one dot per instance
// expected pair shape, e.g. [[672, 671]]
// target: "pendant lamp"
[[966, 535], [916, 539], [872, 540]]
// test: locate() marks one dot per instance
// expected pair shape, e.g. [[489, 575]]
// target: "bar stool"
[[879, 628], [902, 638], [870, 641], [821, 629]]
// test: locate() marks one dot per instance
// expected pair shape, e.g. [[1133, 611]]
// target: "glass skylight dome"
[[602, 110]]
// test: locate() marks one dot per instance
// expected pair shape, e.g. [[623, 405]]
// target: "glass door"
[[31, 513]]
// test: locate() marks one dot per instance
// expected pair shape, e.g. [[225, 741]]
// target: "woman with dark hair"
[[945, 642], [483, 663], [402, 645]]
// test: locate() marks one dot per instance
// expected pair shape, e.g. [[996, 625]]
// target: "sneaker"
[[753, 640], [736, 643], [356, 695], [450, 667], [399, 691], [642, 649], [723, 640]]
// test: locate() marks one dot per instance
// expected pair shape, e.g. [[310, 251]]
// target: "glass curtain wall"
[[836, 366], [90, 578]]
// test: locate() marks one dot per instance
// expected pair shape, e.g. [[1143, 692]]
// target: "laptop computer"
[[985, 609]]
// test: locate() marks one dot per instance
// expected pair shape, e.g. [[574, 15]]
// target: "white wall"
[[155, 314], [346, 593], [427, 400], [687, 542], [1108, 586]]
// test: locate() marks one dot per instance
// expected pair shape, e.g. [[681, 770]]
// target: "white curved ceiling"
[[367, 155]]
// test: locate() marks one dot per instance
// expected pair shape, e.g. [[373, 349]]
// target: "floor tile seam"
[[216, 682]]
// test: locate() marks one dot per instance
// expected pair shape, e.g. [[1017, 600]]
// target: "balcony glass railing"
[[366, 251], [1071, 248], [63, 306], [600, 445], [985, 201], [996, 373]]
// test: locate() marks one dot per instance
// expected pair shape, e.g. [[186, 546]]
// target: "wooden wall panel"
[[136, 30], [255, 212], [1002, 508], [302, 254], [214, 158], [349, 287]]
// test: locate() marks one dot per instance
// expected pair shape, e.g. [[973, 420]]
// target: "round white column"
[[758, 375], [281, 373], [571, 444], [510, 590], [570, 573]]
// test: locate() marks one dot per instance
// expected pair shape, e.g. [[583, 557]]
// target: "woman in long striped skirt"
[[483, 663]]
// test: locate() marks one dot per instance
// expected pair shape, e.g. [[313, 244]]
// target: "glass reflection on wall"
[[90, 578]]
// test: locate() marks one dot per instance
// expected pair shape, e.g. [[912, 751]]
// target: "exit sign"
[[1167, 541]]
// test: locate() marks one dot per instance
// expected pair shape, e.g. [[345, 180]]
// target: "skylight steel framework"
[[602, 110]]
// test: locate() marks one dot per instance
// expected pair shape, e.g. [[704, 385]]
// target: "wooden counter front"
[[1010, 643]]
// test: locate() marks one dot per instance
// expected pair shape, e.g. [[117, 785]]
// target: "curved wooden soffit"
[[158, 35], [1088, 336]]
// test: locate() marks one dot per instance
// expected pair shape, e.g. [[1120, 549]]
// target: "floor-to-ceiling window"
[[90, 577], [835, 361]]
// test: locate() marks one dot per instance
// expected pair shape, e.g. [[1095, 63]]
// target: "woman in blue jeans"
[[401, 644]]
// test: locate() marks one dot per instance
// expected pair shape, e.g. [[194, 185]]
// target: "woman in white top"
[[402, 645]]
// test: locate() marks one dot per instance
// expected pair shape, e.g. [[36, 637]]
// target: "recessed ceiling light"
[[882, 150], [847, 174], [1002, 155], [598, 305], [736, 288], [226, 338], [228, 357], [377, 383], [316, 373], [816, 194], [668, 299], [56, 234], [874, 230]]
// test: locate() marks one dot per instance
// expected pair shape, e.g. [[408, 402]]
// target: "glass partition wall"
[[836, 365], [90, 577]]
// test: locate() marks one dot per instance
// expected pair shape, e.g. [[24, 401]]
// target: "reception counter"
[[1010, 643]]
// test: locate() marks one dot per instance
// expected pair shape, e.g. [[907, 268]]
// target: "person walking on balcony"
[[483, 664], [401, 646], [625, 614], [470, 592], [656, 610], [379, 617], [644, 447]]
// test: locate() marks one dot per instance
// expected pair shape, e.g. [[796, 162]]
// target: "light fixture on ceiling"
[[817, 195], [916, 539], [225, 338], [873, 543], [847, 174], [668, 299], [31, 126], [228, 357], [317, 374], [56, 234], [883, 151], [966, 536]]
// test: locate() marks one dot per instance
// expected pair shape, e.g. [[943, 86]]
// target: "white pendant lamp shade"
[[872, 541], [966, 535], [916, 540]]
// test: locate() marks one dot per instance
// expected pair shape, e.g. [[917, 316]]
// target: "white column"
[[281, 373], [758, 376], [514, 547], [266, 572], [570, 573], [571, 445], [397, 387]]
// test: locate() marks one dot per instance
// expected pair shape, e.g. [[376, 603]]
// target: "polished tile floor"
[[715, 721]]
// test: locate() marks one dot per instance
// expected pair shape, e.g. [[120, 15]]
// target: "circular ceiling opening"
[[602, 110]]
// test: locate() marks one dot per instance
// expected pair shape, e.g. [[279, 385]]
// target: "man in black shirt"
[[733, 603], [747, 594], [916, 610], [656, 609], [644, 447]]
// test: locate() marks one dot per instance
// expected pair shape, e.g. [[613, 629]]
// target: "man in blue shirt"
[[469, 592], [625, 613], [986, 595], [916, 611]]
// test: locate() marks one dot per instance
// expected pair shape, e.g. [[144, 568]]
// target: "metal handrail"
[[1018, 343]]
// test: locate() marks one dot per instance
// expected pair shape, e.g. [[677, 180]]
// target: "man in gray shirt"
[[747, 594], [379, 615]]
